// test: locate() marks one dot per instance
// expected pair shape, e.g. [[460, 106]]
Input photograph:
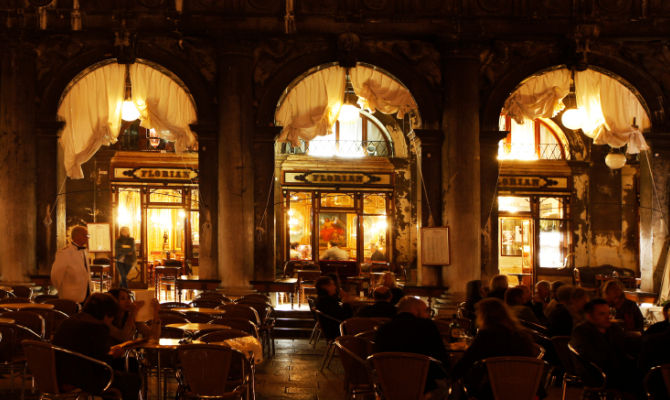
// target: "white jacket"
[[70, 273]]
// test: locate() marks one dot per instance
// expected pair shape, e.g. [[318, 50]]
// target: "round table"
[[193, 327], [19, 306], [203, 310]]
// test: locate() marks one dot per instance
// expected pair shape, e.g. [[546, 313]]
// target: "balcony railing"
[[545, 151], [341, 148]]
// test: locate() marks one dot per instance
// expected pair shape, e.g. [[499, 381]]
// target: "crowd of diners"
[[604, 327]]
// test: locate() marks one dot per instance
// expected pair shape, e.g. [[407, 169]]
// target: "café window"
[[536, 140], [357, 222], [360, 135]]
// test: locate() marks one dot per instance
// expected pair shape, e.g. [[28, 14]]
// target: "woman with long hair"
[[124, 327]]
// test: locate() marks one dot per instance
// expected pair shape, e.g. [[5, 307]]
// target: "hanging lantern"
[[129, 111], [573, 117], [154, 140]]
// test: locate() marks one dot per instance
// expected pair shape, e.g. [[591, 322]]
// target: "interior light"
[[573, 118], [182, 214], [348, 113]]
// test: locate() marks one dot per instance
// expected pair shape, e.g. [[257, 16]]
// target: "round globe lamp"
[[573, 118], [129, 111], [615, 160]]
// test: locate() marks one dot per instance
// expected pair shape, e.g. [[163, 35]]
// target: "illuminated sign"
[[533, 182], [156, 174], [326, 178]]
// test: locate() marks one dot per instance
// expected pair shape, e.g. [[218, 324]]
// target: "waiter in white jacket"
[[70, 272]]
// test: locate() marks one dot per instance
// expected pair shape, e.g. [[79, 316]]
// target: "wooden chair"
[[306, 281], [354, 325], [357, 374], [69, 307], [400, 376], [514, 378], [205, 370], [41, 360]]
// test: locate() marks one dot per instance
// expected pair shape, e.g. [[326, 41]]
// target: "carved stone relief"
[[55, 51], [270, 55], [423, 56]]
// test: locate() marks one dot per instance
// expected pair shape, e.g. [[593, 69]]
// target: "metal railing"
[[342, 148]]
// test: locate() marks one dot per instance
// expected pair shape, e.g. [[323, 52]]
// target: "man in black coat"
[[412, 331], [328, 302], [87, 333], [382, 306]]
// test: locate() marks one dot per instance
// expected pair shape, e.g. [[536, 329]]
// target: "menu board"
[[99, 240], [435, 246]]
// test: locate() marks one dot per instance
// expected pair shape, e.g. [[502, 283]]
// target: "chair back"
[[31, 320], [258, 297], [353, 353], [52, 319], [213, 295], [355, 325], [560, 345], [172, 317], [592, 376], [10, 345], [263, 309], [400, 376], [221, 335], [514, 378], [241, 311], [11, 300], [41, 298], [172, 333], [5, 294], [308, 276], [173, 304], [69, 307], [41, 360], [205, 368], [24, 292], [207, 302], [198, 317], [534, 327], [242, 324], [329, 325]]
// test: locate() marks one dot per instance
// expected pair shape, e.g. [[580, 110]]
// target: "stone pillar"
[[208, 181], [236, 179], [461, 168], [264, 216], [489, 168], [47, 180], [431, 197], [654, 246], [17, 163]]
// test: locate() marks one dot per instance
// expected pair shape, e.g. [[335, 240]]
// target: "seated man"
[[560, 318], [662, 326], [328, 302], [412, 331], [514, 299], [603, 343], [382, 307], [334, 252], [87, 333], [626, 310]]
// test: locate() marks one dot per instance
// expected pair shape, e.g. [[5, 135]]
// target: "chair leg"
[[313, 334], [565, 388], [316, 339], [324, 359]]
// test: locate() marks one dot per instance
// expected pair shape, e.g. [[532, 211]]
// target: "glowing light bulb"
[[615, 160], [348, 113], [129, 111], [573, 118]]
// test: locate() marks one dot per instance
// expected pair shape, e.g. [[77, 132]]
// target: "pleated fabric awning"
[[311, 107], [91, 110], [614, 114]]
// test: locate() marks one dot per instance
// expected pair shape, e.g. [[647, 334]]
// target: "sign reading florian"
[[337, 178], [533, 182], [156, 174]]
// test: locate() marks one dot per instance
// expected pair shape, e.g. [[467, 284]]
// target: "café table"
[[6, 321], [203, 310], [19, 306], [193, 327], [160, 346]]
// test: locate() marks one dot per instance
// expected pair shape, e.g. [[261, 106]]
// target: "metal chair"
[[172, 317], [400, 376], [41, 360], [198, 317], [514, 378], [242, 324], [52, 319], [205, 370], [241, 311], [22, 291], [267, 322], [593, 378], [69, 307], [657, 382], [174, 304], [12, 358], [306, 280], [316, 330], [325, 319], [31, 320], [357, 374], [354, 325]]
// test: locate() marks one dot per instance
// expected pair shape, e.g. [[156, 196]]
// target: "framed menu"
[[99, 240], [435, 248]]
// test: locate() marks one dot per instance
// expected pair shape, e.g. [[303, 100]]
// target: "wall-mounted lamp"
[[573, 117], [615, 159]]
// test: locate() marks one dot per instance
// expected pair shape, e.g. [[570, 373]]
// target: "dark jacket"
[[631, 316], [407, 333], [331, 306], [379, 309], [125, 250], [658, 327], [560, 321], [86, 335], [607, 350]]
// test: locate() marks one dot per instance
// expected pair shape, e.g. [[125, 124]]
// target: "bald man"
[[70, 272]]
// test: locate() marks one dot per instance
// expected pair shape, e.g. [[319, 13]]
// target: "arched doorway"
[[137, 170], [346, 168], [555, 212]]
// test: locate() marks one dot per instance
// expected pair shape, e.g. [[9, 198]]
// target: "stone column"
[[489, 168], [264, 216], [17, 163], [431, 197], [461, 168], [236, 179], [208, 181], [47, 196], [654, 173]]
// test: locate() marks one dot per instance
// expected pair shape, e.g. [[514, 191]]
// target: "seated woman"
[[328, 302], [388, 280], [500, 334], [514, 299], [124, 327]]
